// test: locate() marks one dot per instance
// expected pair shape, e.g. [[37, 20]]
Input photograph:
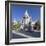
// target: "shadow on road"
[[31, 33]]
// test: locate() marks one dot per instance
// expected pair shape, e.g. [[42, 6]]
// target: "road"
[[25, 34]]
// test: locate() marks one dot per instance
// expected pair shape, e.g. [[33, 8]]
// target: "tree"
[[37, 25], [15, 26]]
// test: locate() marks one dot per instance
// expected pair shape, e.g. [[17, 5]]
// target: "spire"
[[26, 14]]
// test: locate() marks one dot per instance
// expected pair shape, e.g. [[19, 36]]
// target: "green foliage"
[[16, 26]]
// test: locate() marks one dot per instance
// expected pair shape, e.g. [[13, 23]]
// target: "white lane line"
[[21, 34]]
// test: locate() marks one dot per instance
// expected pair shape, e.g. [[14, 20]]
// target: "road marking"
[[21, 34]]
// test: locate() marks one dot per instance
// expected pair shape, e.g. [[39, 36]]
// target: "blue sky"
[[18, 11]]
